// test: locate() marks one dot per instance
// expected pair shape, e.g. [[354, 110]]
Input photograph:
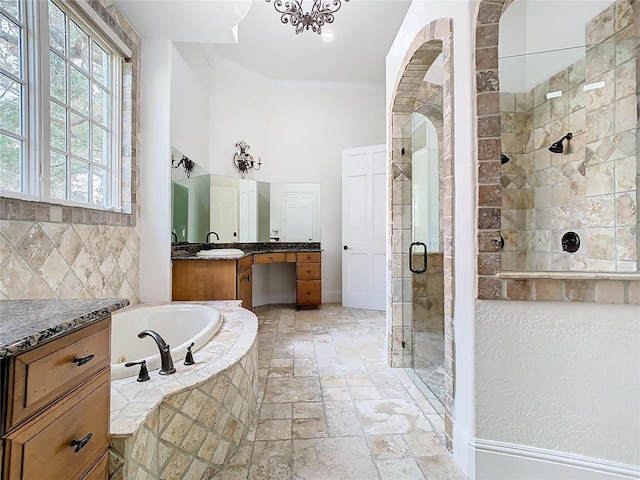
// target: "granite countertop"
[[27, 323], [188, 252]]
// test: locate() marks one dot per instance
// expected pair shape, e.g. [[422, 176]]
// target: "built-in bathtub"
[[188, 424], [179, 324]]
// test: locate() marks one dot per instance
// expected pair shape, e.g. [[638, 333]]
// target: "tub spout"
[[166, 367]]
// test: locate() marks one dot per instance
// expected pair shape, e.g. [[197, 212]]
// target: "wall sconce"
[[244, 160], [186, 163]]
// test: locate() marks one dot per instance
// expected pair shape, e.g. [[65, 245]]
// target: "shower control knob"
[[345, 247]]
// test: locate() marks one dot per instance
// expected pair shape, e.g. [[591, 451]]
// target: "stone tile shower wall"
[[56, 251], [591, 187]]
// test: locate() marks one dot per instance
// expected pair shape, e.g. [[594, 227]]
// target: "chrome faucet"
[[166, 361], [209, 235], [174, 237]]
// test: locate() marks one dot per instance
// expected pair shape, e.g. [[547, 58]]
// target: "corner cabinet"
[[308, 279], [56, 408]]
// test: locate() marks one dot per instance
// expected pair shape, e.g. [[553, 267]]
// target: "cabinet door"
[[245, 288], [66, 439], [203, 279]]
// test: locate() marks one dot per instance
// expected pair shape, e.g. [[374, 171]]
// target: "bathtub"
[[180, 324]]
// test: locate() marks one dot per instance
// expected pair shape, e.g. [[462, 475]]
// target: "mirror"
[[190, 203], [241, 210]]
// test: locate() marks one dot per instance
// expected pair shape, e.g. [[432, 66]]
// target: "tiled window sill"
[[585, 287], [522, 275], [30, 211]]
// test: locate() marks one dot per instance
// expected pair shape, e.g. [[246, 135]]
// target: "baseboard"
[[508, 461], [332, 297]]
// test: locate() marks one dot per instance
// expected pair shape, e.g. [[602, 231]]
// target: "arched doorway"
[[410, 93]]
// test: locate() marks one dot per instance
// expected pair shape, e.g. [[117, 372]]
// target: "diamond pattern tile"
[[71, 261], [198, 429]]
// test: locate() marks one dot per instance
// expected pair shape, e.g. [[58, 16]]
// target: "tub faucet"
[[166, 361], [209, 235]]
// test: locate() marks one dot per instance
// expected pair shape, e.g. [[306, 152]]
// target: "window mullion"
[[38, 61]]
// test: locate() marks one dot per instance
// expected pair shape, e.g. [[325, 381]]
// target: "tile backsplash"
[[57, 260]]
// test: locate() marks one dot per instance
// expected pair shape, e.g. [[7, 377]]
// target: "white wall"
[[155, 172], [174, 113], [190, 82], [299, 131], [506, 350], [560, 376]]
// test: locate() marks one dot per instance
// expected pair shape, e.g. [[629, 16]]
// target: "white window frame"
[[36, 110]]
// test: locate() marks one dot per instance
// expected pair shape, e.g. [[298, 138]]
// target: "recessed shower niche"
[[568, 98]]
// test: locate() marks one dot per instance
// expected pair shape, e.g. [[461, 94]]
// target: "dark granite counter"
[[27, 323], [188, 252]]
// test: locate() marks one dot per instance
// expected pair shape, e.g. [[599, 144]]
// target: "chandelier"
[[244, 161], [322, 12]]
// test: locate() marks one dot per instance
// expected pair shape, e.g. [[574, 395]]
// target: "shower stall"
[[569, 124]]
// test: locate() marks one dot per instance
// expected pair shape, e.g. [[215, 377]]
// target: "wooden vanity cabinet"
[[219, 279], [56, 414], [308, 279]]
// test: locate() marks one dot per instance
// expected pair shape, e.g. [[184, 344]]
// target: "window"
[[60, 142], [13, 87]]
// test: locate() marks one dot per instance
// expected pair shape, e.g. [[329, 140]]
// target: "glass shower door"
[[424, 241]]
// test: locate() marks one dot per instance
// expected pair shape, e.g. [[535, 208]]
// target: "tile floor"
[[331, 408]]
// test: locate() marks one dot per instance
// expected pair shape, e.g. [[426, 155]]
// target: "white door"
[[224, 213], [298, 216], [364, 194]]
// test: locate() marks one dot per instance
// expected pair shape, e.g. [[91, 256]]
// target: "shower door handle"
[[413, 270]]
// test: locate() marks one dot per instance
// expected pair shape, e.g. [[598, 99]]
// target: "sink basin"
[[220, 252]]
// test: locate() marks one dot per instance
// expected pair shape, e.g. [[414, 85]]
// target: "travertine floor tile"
[[400, 468], [270, 461], [274, 430], [332, 459], [388, 446], [439, 467], [331, 408]]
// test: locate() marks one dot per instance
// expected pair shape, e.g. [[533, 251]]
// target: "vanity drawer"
[[308, 257], [244, 264], [43, 374], [309, 292], [41, 449], [308, 271], [269, 257]]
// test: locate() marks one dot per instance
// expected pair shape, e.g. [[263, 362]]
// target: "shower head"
[[503, 158], [557, 147]]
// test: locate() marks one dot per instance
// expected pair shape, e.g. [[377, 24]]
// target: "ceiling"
[[363, 29]]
